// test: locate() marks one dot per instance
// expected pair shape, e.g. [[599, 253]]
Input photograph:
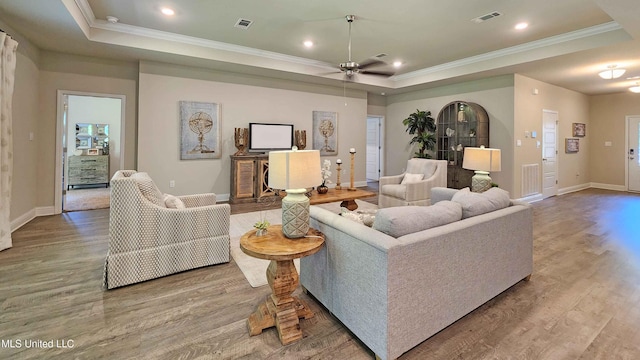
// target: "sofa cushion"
[[173, 202], [474, 204], [411, 178], [403, 220], [148, 188], [364, 217]]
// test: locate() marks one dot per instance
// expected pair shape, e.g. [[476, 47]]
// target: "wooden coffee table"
[[280, 308], [347, 197]]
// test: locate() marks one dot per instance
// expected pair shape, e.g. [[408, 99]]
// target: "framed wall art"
[[579, 129], [200, 130], [325, 132], [572, 145]]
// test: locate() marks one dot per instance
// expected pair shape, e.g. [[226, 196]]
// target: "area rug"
[[255, 269], [86, 199]]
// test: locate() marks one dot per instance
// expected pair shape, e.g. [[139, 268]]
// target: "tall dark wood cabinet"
[[460, 124], [249, 178]]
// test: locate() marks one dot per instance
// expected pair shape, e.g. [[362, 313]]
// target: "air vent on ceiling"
[[486, 17], [380, 56], [243, 23]]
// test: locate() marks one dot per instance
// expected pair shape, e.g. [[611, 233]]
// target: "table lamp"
[[294, 171], [482, 160]]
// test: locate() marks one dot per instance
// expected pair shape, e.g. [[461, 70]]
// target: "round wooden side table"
[[280, 308]]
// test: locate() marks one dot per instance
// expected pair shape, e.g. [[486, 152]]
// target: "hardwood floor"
[[581, 303]]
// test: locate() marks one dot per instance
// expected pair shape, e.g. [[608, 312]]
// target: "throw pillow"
[[148, 188], [474, 204], [173, 202], [403, 220], [411, 178]]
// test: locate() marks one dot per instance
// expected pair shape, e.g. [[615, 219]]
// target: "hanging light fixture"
[[612, 72], [635, 89]]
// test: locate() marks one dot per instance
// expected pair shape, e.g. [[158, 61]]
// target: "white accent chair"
[[415, 189], [148, 240]]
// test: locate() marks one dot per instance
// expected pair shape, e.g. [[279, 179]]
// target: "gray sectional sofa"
[[394, 292]]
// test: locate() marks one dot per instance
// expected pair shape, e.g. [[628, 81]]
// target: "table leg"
[[280, 308]]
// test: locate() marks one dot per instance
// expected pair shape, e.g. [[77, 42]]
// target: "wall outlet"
[[172, 183]]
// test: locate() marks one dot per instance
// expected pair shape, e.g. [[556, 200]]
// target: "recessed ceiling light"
[[308, 43], [521, 26], [397, 64], [168, 11], [635, 89]]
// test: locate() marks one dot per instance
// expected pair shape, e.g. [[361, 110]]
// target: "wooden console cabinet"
[[88, 169], [249, 178]]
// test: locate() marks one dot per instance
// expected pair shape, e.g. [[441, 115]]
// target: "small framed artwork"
[[93, 152], [579, 129], [200, 130], [572, 145]]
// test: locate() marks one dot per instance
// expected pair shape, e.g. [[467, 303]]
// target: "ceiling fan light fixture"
[[612, 72]]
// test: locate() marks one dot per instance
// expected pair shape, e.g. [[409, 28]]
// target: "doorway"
[[633, 158], [549, 153], [374, 147], [90, 128]]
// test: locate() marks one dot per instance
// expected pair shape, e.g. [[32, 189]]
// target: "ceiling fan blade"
[[371, 62], [377, 72]]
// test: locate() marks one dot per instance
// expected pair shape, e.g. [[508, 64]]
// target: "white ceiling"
[[567, 42]]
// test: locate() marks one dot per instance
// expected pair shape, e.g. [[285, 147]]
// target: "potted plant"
[[326, 173], [261, 227], [422, 126]]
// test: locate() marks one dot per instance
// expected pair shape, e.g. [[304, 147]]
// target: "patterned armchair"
[[413, 187], [148, 239]]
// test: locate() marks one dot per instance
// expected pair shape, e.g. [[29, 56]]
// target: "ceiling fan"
[[351, 67]]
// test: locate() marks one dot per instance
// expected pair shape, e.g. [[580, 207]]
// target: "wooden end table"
[[280, 308]]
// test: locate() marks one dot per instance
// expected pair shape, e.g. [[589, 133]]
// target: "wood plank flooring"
[[581, 303]]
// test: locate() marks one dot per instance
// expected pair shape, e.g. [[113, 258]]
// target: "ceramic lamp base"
[[480, 182], [295, 214]]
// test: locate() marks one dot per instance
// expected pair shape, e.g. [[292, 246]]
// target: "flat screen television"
[[266, 137]]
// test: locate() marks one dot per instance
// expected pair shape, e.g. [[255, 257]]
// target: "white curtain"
[[8, 48]]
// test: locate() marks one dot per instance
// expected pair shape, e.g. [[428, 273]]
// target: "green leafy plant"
[[261, 225], [422, 126]]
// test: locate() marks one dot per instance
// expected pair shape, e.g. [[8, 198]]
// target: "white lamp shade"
[[482, 159], [294, 169]]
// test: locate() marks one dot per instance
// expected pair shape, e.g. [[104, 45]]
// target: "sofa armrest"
[[197, 200], [441, 193], [392, 179]]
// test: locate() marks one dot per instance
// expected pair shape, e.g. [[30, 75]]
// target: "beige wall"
[[495, 95], [25, 150], [51, 81], [159, 130], [572, 107], [608, 123]]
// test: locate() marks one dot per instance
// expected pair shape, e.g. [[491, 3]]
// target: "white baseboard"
[[23, 219], [574, 188], [532, 198], [609, 187], [45, 210], [222, 198]]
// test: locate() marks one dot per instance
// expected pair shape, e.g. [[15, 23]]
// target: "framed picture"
[[93, 152], [325, 132], [572, 145], [579, 129], [200, 130]]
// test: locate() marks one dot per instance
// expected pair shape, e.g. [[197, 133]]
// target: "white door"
[[373, 148], [549, 153], [633, 132]]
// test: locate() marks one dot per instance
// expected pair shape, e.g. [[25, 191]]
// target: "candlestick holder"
[[339, 170], [241, 137], [353, 159]]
